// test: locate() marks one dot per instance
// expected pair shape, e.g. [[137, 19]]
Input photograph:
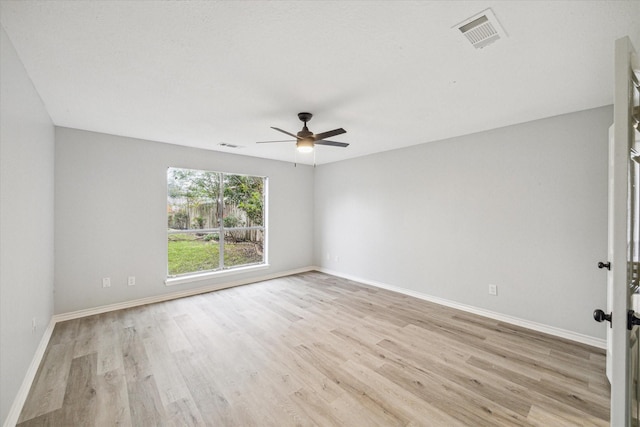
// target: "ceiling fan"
[[305, 139]]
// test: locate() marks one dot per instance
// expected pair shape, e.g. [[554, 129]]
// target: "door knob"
[[601, 316], [606, 265]]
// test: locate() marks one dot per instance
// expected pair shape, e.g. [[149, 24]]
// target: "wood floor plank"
[[112, 405], [472, 381], [183, 413], [80, 400], [366, 397], [595, 406], [318, 410], [173, 335], [408, 405], [65, 332], [47, 394], [464, 407], [311, 350], [168, 378], [145, 404], [550, 412], [109, 347], [208, 394]]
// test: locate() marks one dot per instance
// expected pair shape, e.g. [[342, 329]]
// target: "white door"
[[624, 194]]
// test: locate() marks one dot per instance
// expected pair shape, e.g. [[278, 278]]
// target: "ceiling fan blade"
[[268, 142], [286, 133], [332, 143], [329, 134]]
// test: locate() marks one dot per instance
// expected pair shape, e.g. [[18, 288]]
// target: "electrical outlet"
[[106, 282], [328, 256], [131, 281], [493, 289]]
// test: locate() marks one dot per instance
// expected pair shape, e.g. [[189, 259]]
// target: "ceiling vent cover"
[[482, 29]]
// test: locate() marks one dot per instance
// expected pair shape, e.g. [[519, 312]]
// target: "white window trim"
[[189, 278], [198, 276]]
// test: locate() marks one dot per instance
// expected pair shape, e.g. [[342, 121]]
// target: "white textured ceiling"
[[393, 74]]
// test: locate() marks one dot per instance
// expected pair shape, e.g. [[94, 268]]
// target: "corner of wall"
[[26, 224]]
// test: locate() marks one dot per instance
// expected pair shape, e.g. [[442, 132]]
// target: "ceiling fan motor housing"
[[305, 133]]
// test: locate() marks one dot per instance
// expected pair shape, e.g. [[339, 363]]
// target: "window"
[[216, 221]]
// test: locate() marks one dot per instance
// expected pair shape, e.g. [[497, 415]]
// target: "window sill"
[[171, 281]]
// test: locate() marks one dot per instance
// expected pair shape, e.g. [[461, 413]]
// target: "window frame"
[[221, 270]]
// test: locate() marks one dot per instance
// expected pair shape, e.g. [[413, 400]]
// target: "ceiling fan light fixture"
[[305, 145], [306, 140]]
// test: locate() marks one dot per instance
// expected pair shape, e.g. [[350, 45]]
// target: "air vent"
[[482, 29]]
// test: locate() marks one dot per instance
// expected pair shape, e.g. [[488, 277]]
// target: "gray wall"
[[26, 222], [111, 221], [523, 207]]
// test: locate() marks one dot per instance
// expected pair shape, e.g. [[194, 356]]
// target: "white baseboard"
[[539, 327], [21, 397], [173, 295]]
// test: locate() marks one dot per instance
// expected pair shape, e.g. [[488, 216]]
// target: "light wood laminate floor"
[[311, 349]]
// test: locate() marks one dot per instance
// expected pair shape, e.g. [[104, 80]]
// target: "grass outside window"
[[190, 253]]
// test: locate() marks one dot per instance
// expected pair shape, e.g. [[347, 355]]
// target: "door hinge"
[[632, 320]]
